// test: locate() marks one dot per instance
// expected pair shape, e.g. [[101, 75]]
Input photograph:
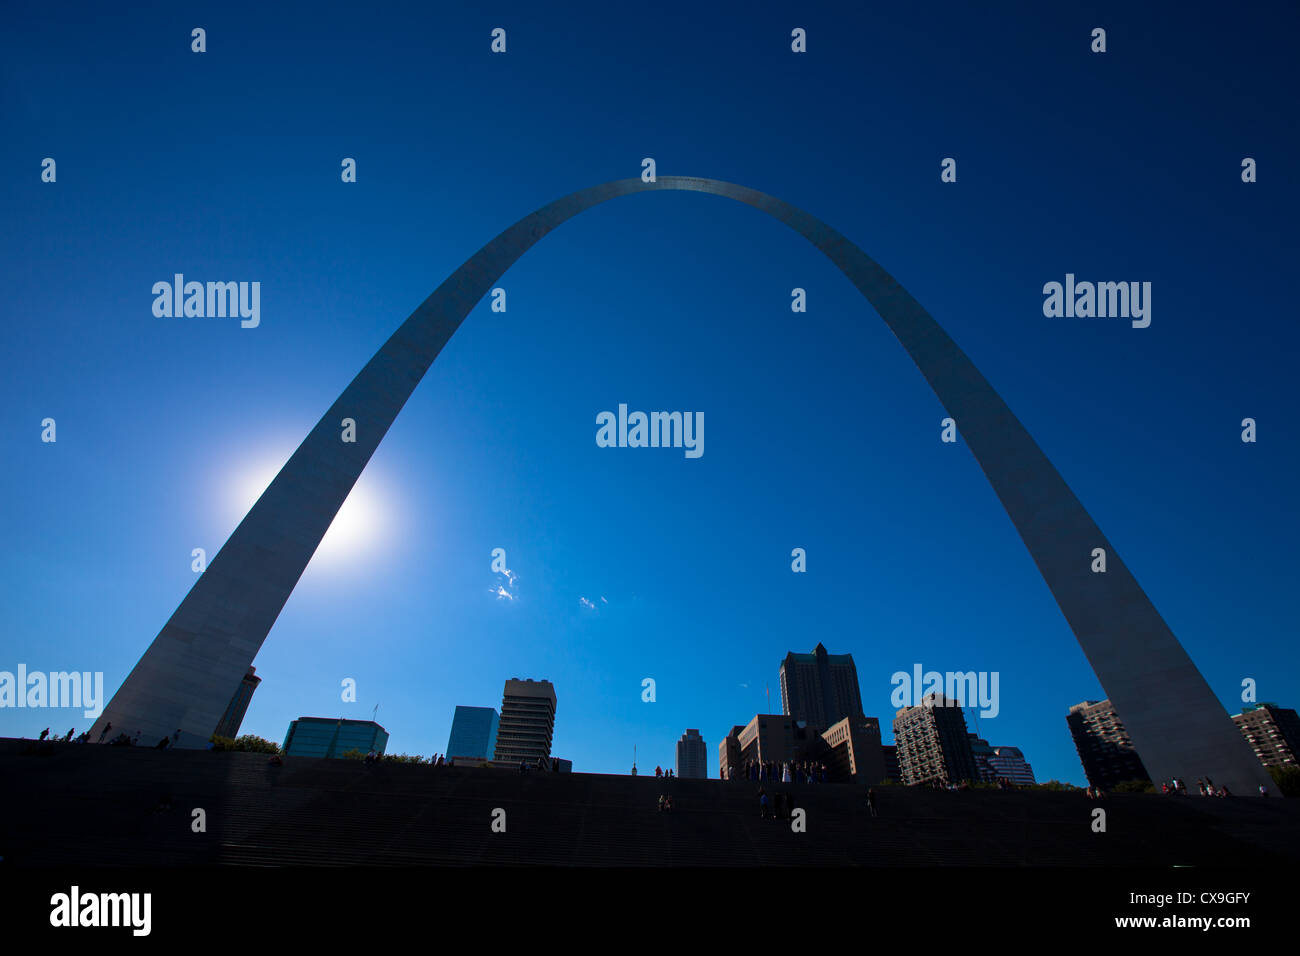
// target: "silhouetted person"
[[162, 744], [69, 737], [44, 733], [764, 806], [871, 801]]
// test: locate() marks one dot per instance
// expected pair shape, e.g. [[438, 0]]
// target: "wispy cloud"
[[504, 591], [589, 605]]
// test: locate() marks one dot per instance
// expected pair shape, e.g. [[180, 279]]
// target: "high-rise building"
[[1009, 764], [1104, 747], [855, 754], [982, 752], [768, 738], [892, 770], [473, 733], [729, 765], [1273, 732], [234, 715], [527, 723], [932, 743], [333, 737], [692, 755], [820, 688]]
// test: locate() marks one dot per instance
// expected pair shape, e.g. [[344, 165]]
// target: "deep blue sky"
[[820, 433]]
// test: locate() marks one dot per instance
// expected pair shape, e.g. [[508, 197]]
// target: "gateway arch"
[[186, 678]]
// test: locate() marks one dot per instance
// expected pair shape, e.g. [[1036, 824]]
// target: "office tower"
[[729, 765], [234, 715], [932, 743], [855, 754], [767, 738], [1009, 764], [981, 751], [473, 733], [1273, 732], [1104, 747], [820, 688], [527, 723], [890, 756], [692, 755], [333, 737]]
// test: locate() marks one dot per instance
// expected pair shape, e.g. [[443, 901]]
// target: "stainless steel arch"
[[187, 676]]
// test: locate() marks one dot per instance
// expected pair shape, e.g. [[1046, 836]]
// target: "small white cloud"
[[587, 604], [501, 593], [603, 601]]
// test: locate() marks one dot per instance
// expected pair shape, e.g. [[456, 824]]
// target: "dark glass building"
[[333, 737], [473, 733]]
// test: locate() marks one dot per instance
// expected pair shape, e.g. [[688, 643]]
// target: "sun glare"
[[357, 530]]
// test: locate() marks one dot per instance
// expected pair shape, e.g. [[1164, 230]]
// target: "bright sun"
[[357, 530]]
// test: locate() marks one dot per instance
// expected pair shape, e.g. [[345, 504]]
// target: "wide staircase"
[[105, 806]]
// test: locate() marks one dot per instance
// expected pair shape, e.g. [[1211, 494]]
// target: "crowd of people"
[[799, 771], [1204, 785], [121, 740]]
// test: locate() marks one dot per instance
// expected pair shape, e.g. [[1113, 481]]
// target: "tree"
[[248, 743], [1287, 780]]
